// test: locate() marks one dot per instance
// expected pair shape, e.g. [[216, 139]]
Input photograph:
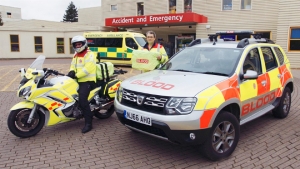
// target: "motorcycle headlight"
[[178, 105], [24, 91], [120, 94]]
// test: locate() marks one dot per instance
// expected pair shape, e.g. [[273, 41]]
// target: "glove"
[[71, 74]]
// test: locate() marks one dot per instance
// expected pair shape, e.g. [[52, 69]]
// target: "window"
[[8, 14], [172, 6], [71, 47], [14, 43], [60, 45], [38, 44], [252, 62], [187, 5], [294, 41], [269, 58], [264, 34], [227, 5], [242, 36], [279, 55], [140, 8], [131, 43], [245, 4], [105, 42], [113, 7]]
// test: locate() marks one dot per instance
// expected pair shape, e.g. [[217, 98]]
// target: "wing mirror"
[[22, 71], [250, 74]]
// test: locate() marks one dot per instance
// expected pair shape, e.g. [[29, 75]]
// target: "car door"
[[272, 74], [252, 89]]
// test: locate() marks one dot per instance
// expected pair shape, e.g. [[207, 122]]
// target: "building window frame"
[[37, 44], [8, 14], [140, 8], [14, 43], [60, 45], [187, 6], [264, 31], [114, 7], [72, 51], [243, 2], [293, 39], [223, 6], [172, 6]]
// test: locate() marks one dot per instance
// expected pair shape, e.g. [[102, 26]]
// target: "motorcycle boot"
[[88, 125]]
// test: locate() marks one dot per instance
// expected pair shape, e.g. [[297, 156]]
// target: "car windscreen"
[[207, 60], [140, 40]]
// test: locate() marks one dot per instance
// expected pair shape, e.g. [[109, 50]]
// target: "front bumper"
[[162, 130]]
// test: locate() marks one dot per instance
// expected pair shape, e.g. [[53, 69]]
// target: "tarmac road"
[[266, 142]]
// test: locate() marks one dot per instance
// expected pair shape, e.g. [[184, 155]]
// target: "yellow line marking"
[[7, 86], [6, 73]]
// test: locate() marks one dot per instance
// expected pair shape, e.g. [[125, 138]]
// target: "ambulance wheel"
[[17, 123], [284, 106], [223, 137], [104, 114]]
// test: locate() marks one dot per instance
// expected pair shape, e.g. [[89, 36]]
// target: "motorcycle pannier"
[[104, 70], [111, 88]]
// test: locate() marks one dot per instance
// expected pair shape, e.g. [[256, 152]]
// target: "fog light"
[[192, 136]]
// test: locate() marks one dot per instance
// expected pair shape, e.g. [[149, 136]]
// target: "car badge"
[[140, 100]]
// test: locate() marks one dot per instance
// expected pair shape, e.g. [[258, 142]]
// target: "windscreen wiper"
[[182, 70], [215, 73]]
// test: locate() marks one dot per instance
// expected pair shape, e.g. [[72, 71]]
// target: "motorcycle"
[[53, 101]]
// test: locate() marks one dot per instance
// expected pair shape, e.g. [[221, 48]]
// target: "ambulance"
[[115, 47], [205, 92]]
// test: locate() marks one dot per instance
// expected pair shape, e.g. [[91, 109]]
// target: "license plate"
[[137, 118]]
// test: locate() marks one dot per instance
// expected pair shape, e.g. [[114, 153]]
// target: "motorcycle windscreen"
[[37, 64]]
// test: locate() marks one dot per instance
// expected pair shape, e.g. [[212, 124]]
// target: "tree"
[[1, 22], [71, 14]]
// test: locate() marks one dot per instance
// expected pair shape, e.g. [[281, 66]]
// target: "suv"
[[205, 92]]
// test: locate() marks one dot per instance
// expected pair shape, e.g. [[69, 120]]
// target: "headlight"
[[24, 91], [120, 94], [178, 105]]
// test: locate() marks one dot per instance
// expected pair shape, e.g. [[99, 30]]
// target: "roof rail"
[[246, 41], [198, 41]]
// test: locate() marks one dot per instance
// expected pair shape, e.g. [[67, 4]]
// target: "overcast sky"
[[51, 10]]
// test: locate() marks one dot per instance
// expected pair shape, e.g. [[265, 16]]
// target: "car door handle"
[[264, 83]]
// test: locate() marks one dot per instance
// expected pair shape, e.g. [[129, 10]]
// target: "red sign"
[[165, 19]]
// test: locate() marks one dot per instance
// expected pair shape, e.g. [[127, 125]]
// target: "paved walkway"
[[266, 142]]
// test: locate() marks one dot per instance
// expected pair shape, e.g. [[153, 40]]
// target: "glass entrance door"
[[182, 41]]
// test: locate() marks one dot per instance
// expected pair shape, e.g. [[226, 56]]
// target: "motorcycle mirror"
[[22, 71]]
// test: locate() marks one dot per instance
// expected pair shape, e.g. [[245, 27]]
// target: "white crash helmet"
[[81, 39]]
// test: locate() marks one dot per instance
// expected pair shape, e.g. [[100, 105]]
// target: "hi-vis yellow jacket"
[[158, 48], [84, 65]]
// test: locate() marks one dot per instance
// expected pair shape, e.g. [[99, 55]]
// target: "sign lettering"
[[250, 107], [154, 84]]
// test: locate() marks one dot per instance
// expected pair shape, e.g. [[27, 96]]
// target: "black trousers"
[[84, 91]]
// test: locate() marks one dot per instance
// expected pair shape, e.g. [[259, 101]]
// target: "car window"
[[270, 60], [205, 60], [252, 61], [105, 42], [279, 55]]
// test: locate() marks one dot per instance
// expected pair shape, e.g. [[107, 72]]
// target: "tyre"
[[284, 106], [223, 137], [104, 114], [17, 123]]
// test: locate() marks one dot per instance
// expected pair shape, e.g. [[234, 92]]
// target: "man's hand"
[[71, 74], [158, 57]]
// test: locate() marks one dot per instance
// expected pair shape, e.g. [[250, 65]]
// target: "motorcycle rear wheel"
[[104, 114], [17, 123]]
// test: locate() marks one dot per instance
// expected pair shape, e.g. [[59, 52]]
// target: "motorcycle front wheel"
[[17, 123], [104, 114]]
